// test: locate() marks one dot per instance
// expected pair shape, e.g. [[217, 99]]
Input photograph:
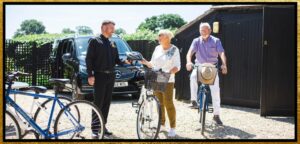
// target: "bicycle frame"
[[45, 133], [203, 90]]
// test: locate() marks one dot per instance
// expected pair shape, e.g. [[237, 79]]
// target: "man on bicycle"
[[207, 49]]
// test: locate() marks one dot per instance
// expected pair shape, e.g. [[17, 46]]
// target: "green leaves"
[[148, 29], [143, 34], [30, 26], [164, 21], [84, 30], [40, 39], [67, 31], [120, 31]]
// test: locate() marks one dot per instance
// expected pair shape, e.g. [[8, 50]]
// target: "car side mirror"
[[66, 57], [134, 55]]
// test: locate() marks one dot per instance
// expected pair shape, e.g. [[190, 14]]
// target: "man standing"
[[102, 56], [207, 49]]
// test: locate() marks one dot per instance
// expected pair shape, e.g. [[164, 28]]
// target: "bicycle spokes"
[[67, 126], [148, 123]]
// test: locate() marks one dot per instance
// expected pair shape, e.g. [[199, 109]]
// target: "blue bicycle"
[[203, 96], [75, 120]]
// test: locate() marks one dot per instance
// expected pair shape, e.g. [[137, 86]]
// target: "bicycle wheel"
[[149, 118], [42, 114], [90, 126], [12, 127], [203, 113]]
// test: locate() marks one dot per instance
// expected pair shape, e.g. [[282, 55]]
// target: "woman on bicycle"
[[167, 58]]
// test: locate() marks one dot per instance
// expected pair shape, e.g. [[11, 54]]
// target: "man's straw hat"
[[207, 73]]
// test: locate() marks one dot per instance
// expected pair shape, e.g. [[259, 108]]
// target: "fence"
[[145, 47], [30, 58], [34, 59]]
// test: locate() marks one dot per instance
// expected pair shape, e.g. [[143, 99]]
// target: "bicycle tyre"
[[203, 113], [37, 112], [86, 104], [16, 125], [139, 115]]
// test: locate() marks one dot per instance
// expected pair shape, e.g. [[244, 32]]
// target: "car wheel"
[[76, 93]]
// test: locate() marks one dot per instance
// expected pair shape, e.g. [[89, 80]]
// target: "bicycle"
[[43, 108], [76, 128], [149, 110], [202, 98]]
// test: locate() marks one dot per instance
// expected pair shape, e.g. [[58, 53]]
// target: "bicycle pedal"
[[210, 110]]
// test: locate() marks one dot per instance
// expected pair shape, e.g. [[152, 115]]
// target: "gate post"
[[34, 58]]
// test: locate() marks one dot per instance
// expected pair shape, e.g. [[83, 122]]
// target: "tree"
[[164, 21], [39, 39], [30, 26], [142, 34], [67, 31], [84, 30], [120, 31]]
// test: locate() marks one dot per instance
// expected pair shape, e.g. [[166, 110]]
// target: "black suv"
[[68, 61]]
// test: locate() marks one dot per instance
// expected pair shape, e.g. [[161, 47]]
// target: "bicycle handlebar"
[[194, 66], [14, 75]]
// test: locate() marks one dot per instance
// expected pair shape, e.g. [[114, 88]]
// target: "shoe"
[[217, 119], [194, 105], [172, 133], [106, 132], [95, 136], [162, 128]]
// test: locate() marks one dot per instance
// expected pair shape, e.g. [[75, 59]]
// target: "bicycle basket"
[[156, 80], [207, 73]]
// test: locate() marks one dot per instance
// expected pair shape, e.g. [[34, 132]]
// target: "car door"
[[70, 63]]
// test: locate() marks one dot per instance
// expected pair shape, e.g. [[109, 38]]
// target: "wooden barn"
[[260, 45]]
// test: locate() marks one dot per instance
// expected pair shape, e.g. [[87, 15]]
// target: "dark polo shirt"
[[102, 55]]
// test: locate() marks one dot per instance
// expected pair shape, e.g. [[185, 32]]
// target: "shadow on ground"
[[290, 120], [223, 132], [245, 109]]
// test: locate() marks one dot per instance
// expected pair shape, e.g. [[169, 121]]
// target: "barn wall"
[[240, 33], [279, 62]]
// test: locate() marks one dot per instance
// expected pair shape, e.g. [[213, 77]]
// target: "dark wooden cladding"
[[279, 58], [247, 84]]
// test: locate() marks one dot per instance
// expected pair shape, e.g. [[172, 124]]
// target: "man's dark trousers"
[[103, 87]]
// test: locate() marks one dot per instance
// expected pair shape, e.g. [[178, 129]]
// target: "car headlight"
[[141, 73]]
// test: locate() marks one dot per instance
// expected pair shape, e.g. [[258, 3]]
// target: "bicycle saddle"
[[59, 81], [38, 89]]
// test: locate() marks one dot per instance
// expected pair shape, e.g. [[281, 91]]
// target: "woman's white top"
[[166, 59]]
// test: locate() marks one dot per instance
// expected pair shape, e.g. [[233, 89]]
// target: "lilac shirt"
[[207, 51]]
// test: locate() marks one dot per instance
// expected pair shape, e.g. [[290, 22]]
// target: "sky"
[[57, 17]]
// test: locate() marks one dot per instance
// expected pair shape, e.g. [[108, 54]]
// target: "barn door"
[[278, 96]]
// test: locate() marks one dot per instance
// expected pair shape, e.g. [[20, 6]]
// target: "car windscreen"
[[82, 44], [122, 46]]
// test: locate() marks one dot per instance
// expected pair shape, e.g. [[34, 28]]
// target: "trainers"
[[194, 105], [172, 133], [217, 119]]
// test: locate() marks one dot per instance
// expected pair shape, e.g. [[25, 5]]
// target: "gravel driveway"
[[239, 123]]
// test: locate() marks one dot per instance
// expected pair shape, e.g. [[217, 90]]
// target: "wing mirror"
[[66, 57]]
